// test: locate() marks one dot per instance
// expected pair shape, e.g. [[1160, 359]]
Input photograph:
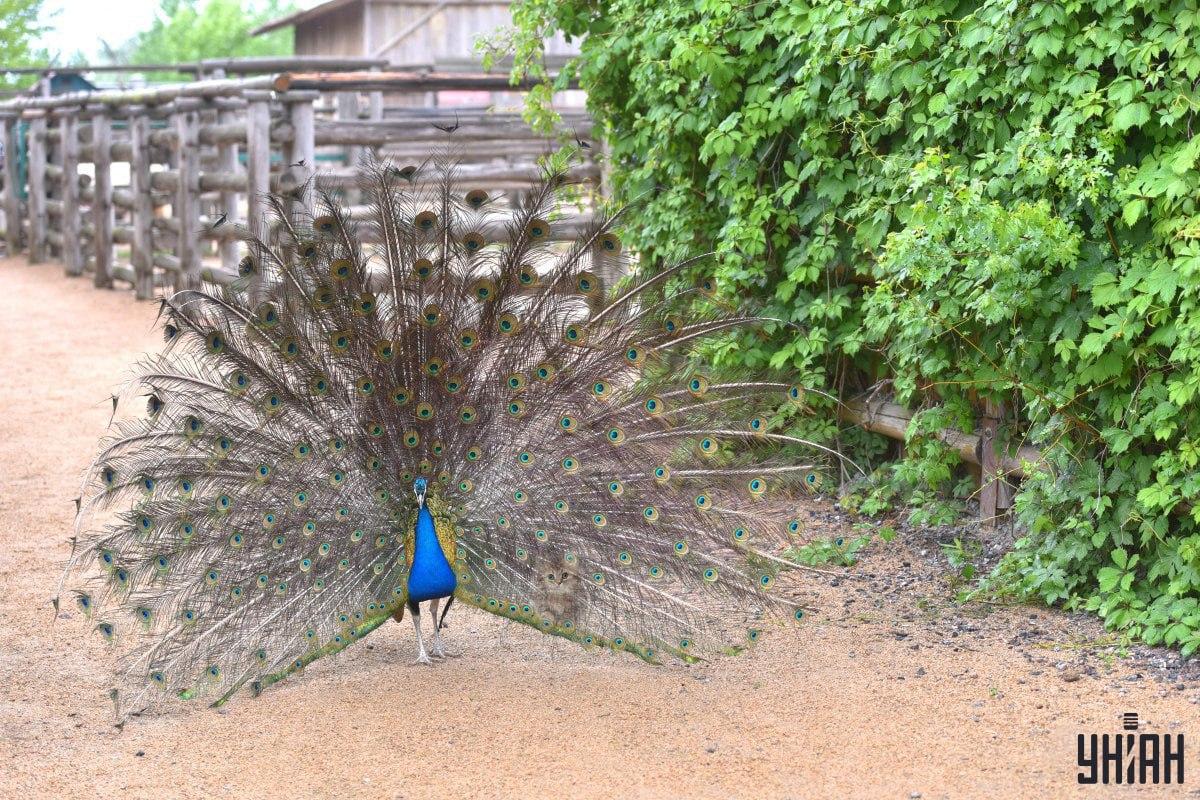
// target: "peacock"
[[437, 401]]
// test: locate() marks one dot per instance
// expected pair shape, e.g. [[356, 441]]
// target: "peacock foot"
[[440, 651], [423, 659]]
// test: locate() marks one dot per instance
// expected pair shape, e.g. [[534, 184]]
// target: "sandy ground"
[[889, 692]]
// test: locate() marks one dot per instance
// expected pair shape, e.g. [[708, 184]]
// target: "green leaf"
[[1131, 116]]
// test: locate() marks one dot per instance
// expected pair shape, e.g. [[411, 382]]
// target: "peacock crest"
[[260, 513]]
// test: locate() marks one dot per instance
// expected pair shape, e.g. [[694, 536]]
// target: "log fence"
[[194, 152], [217, 145]]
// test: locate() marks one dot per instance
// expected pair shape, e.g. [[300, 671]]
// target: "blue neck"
[[431, 576]]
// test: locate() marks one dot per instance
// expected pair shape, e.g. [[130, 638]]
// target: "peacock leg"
[[438, 649], [422, 656]]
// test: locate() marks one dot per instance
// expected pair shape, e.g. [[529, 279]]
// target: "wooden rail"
[[217, 146], [199, 150]]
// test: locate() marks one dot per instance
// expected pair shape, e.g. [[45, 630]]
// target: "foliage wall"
[[976, 200]]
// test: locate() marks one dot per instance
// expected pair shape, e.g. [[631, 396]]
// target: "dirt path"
[[889, 692]]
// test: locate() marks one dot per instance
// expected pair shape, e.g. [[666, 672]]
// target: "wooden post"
[[37, 187], [347, 109], [303, 145], [376, 102], [72, 250], [102, 209], [258, 154], [227, 161], [186, 208], [12, 190], [143, 204], [994, 492], [375, 113]]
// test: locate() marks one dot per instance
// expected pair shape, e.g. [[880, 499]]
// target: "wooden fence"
[[217, 146]]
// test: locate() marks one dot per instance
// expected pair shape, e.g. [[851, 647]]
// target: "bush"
[[990, 200]]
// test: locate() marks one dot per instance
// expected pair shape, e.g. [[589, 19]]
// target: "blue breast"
[[431, 575]]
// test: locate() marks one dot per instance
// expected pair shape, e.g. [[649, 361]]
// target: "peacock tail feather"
[[259, 515]]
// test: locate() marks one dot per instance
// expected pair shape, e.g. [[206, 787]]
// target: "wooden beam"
[[102, 210], [227, 162], [72, 251], [12, 188], [258, 153], [473, 127], [401, 82], [153, 95], [143, 205], [891, 420], [185, 208], [302, 150], [38, 218]]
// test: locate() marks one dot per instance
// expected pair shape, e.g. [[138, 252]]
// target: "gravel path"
[[889, 691]]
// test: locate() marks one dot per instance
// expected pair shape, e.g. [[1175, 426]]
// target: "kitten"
[[558, 589]]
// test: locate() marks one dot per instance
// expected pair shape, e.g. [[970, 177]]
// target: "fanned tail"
[[598, 485]]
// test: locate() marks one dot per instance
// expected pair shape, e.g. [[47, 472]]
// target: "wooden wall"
[[338, 32]]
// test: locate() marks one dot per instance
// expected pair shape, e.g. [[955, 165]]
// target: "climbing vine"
[[971, 200]]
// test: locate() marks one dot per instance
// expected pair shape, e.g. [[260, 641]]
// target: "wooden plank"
[[402, 82], [186, 206], [227, 162], [411, 28], [102, 210], [302, 151], [891, 420], [142, 254], [72, 252], [266, 64], [994, 491], [12, 189], [258, 154], [153, 95], [472, 128], [38, 217], [490, 177]]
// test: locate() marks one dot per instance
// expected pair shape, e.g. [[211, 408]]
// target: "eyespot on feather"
[[538, 230], [575, 334], [508, 324], [425, 221], [609, 243], [527, 277], [473, 242], [587, 284]]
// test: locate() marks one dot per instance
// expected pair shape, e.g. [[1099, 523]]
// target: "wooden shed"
[[407, 33]]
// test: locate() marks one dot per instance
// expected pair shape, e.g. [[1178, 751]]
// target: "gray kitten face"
[[558, 575], [555, 571], [559, 588]]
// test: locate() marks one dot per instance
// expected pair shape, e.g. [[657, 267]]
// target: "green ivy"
[[975, 200]]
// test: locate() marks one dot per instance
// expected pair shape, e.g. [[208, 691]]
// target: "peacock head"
[[420, 486]]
